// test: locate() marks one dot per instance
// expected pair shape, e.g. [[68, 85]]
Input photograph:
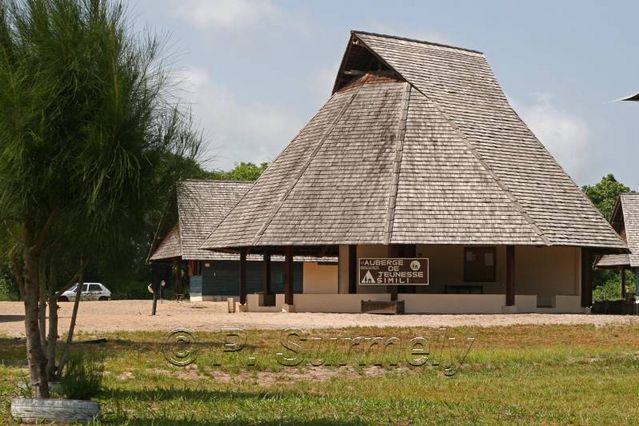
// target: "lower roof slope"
[[424, 150], [202, 204], [625, 219], [170, 247], [630, 208]]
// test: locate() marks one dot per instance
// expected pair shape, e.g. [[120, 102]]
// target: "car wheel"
[[103, 298], [63, 299]]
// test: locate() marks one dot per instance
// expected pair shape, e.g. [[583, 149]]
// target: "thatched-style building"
[[201, 205], [418, 154], [625, 220]]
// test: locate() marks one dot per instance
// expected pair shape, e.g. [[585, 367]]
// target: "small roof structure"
[[625, 220], [202, 204], [417, 145], [634, 97]]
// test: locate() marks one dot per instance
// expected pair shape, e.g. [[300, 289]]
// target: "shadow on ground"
[[11, 318]]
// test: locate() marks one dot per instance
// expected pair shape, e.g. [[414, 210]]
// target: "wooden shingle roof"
[[170, 247], [417, 144], [625, 219], [202, 204]]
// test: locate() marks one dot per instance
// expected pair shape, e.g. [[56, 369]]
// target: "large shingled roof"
[[417, 144], [625, 219], [202, 204]]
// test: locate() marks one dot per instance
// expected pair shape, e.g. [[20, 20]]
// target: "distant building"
[[201, 205], [625, 220], [631, 98], [418, 155]]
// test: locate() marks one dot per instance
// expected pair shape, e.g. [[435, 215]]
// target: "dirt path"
[[133, 315]]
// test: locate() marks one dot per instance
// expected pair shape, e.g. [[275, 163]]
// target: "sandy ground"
[[134, 315]]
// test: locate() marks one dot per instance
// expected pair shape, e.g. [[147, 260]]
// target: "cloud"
[[566, 135], [321, 81], [235, 131], [225, 15]]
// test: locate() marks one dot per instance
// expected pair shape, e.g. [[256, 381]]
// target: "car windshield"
[[75, 287]]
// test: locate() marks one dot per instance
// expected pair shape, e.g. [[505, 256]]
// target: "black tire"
[[63, 299], [103, 298]]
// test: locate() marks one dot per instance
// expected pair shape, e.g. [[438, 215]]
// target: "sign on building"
[[393, 271]]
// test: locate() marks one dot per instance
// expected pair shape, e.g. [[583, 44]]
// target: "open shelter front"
[[461, 279]]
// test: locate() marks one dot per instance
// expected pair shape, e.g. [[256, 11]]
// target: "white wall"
[[320, 278], [340, 303], [453, 303], [547, 271]]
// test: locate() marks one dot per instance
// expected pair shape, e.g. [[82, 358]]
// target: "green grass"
[[515, 375]]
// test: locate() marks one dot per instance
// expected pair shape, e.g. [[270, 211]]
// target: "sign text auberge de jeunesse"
[[393, 271]]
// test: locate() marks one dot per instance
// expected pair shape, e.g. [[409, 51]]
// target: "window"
[[95, 287], [85, 288], [479, 264]]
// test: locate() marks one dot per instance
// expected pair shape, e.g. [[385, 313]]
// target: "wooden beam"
[[394, 251], [178, 277], [586, 277], [352, 269], [242, 276], [510, 275], [267, 271], [288, 276], [623, 283]]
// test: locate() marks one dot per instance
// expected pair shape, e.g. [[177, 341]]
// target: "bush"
[[130, 290], [607, 285], [82, 378], [8, 291]]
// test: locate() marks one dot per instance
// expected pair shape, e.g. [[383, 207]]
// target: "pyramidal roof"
[[417, 145], [202, 204], [625, 220]]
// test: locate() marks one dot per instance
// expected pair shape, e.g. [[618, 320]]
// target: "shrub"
[[8, 291], [608, 285], [82, 378]]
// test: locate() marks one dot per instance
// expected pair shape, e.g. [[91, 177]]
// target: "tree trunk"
[[42, 301], [74, 316], [53, 335], [35, 353], [52, 339]]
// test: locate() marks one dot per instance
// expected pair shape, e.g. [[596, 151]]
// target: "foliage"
[[8, 289], [608, 285], [604, 194], [242, 171], [82, 378], [90, 135]]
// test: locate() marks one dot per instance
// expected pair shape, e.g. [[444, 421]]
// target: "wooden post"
[[243, 276], [510, 275], [623, 282], [352, 269], [267, 271], [586, 277], [393, 289], [179, 291], [288, 276]]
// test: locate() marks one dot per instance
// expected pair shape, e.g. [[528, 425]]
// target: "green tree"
[[89, 136], [604, 194], [242, 171]]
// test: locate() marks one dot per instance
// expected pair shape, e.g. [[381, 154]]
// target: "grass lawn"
[[517, 375]]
